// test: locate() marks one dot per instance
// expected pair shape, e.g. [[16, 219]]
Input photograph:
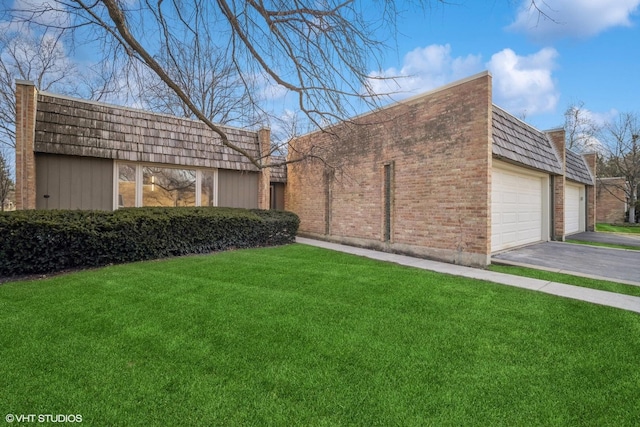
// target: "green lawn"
[[619, 228], [568, 279], [298, 335]]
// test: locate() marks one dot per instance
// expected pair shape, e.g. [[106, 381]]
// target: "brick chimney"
[[26, 103]]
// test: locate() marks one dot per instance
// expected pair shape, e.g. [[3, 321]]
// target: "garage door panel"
[[516, 208], [573, 211], [510, 198], [509, 218]]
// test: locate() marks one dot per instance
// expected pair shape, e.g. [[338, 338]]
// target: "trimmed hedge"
[[33, 242]]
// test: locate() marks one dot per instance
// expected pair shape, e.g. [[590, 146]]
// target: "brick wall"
[[25, 133], [557, 137], [610, 200], [439, 148]]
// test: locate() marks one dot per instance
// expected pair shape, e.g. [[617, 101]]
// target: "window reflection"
[[126, 186], [168, 187], [207, 197]]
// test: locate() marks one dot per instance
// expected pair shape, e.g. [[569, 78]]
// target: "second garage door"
[[516, 207], [573, 208]]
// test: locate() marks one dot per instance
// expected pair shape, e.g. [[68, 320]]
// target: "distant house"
[[612, 201], [446, 175], [8, 204], [76, 154]]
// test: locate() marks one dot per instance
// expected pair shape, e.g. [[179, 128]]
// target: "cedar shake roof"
[[517, 141], [81, 128], [577, 169], [278, 173]]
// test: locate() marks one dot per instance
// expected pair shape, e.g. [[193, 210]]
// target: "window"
[[126, 186], [155, 185], [168, 186], [208, 195]]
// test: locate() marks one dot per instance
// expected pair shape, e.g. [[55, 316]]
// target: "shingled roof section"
[[577, 169], [278, 173], [519, 142], [81, 128]]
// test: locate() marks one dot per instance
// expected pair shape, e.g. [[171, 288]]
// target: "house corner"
[[26, 103], [557, 227]]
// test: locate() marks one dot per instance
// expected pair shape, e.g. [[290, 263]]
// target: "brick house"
[[75, 154], [612, 203], [445, 175]]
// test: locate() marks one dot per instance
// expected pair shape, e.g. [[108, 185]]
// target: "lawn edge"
[[620, 282]]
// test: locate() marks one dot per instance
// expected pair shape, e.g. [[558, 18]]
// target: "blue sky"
[[583, 51], [588, 52]]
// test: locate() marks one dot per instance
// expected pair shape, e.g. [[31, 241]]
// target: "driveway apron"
[[610, 238], [597, 262]]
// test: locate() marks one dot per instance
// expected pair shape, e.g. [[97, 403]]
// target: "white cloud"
[[41, 12], [524, 85], [597, 118], [423, 69], [572, 18]]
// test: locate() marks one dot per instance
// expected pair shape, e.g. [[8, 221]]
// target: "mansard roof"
[[76, 127], [519, 142]]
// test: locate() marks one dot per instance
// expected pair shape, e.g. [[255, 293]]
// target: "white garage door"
[[573, 208], [516, 208]]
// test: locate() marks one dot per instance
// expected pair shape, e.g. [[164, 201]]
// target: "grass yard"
[[298, 335], [635, 229]]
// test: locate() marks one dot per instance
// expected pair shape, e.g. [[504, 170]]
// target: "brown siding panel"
[[277, 196], [237, 189], [73, 182]]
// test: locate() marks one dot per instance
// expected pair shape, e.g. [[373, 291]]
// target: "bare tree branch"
[[621, 137], [580, 129], [320, 52], [38, 57]]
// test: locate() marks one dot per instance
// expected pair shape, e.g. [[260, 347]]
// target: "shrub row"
[[33, 242]]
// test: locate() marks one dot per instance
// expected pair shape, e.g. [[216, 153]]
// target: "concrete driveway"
[[603, 263], [611, 238]]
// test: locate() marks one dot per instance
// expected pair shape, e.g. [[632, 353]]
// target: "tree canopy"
[[321, 53]]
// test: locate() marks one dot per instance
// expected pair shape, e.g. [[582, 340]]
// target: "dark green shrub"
[[47, 241]]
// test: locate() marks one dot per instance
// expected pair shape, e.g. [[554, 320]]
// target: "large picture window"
[[168, 187], [155, 185]]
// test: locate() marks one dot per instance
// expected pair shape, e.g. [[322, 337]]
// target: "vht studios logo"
[[43, 418]]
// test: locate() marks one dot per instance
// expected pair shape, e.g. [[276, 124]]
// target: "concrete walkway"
[[611, 299]]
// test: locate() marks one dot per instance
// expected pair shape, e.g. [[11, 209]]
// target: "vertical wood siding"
[[66, 182], [237, 189]]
